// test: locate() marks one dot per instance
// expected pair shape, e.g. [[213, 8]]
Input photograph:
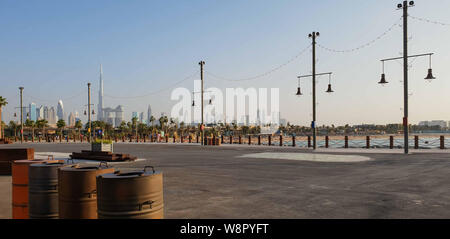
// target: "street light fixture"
[[405, 57]]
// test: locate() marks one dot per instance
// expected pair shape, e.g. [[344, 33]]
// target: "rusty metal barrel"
[[20, 188], [43, 190], [77, 191], [131, 195]]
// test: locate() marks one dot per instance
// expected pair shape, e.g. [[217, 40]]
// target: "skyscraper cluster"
[[52, 115], [113, 116]]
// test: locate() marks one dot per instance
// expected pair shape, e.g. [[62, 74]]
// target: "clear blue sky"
[[53, 48]]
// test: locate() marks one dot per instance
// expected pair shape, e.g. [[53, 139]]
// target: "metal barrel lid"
[[81, 168], [132, 174], [26, 161], [54, 163], [33, 161]]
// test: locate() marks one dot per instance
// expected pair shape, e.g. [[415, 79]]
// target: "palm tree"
[[30, 124], [42, 124], [3, 102], [162, 121], [78, 126], [152, 120], [13, 125], [61, 124], [134, 124]]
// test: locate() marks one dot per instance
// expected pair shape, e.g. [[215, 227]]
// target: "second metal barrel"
[[133, 195], [43, 190], [78, 191]]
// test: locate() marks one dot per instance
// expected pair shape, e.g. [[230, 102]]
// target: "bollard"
[[205, 139], [167, 138], [32, 139], [309, 141], [293, 141], [231, 139], [174, 139], [145, 140], [416, 142], [67, 139], [281, 140], [190, 138], [391, 142], [39, 139], [326, 141], [60, 139], [221, 139], [270, 140], [346, 142], [81, 139], [182, 139], [240, 139], [249, 140], [442, 139], [368, 142], [259, 139]]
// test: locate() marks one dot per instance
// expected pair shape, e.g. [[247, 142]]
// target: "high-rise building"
[[40, 113], [113, 116], [60, 110], [46, 115], [71, 120], [52, 118], [32, 112], [149, 114], [135, 115], [141, 118]]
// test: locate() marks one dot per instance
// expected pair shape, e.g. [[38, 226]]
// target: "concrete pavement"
[[216, 182]]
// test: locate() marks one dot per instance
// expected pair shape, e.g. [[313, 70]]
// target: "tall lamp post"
[[313, 36], [202, 127], [89, 112], [405, 57], [193, 105], [21, 114], [299, 93]]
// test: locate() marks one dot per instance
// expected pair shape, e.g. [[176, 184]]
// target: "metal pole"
[[201, 77], [21, 114], [314, 88], [89, 112], [405, 74]]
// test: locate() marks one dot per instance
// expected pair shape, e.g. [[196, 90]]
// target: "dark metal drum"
[[78, 191], [132, 195], [43, 190]]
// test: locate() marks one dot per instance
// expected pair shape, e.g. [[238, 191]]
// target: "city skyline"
[[133, 73]]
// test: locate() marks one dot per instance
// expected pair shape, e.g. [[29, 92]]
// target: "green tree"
[[42, 124], [3, 103], [61, 124], [31, 125], [13, 125], [134, 124], [78, 126]]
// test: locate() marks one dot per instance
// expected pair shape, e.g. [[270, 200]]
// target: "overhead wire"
[[262, 74], [363, 45]]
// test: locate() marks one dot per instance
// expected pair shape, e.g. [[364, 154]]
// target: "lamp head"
[[383, 79]]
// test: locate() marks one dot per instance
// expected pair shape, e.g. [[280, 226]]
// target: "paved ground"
[[215, 182]]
